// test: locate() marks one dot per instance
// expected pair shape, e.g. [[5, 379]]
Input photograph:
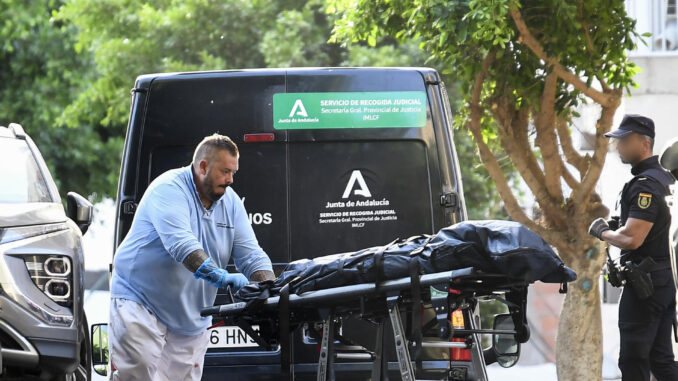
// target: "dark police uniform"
[[645, 324]]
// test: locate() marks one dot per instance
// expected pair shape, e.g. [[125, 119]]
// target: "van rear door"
[[364, 169], [363, 174], [181, 109]]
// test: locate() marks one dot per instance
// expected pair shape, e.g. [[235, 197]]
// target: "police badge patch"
[[644, 200]]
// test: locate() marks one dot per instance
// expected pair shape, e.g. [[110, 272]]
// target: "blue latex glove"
[[219, 277]]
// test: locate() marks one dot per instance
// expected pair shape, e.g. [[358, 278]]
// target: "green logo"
[[386, 109], [435, 293]]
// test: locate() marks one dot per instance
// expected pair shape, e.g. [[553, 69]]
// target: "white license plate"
[[231, 337]]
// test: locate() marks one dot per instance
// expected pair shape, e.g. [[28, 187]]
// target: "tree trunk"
[[564, 220], [579, 342]]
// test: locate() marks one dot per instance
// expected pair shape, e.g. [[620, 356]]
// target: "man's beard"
[[214, 196]]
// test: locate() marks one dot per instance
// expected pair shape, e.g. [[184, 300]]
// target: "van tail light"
[[459, 354], [259, 138], [458, 319]]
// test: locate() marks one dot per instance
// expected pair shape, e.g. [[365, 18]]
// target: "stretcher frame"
[[446, 291]]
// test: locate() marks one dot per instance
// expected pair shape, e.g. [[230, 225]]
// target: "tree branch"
[[571, 155], [522, 155], [513, 128], [568, 177], [491, 163], [526, 37], [580, 195], [546, 140], [589, 41]]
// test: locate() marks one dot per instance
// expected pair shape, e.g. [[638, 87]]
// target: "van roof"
[[429, 74]]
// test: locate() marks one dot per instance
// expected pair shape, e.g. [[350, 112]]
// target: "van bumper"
[[307, 371]]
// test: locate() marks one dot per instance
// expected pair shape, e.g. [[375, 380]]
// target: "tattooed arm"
[[262, 275]]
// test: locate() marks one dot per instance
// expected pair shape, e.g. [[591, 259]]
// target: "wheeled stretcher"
[[408, 288], [383, 304]]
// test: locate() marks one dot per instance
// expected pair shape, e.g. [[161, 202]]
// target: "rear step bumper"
[[307, 371]]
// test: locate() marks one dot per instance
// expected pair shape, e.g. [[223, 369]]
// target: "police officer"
[[641, 231]]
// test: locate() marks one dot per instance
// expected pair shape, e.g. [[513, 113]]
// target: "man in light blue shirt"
[[188, 224]]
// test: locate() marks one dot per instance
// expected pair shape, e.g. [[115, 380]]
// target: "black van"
[[332, 160]]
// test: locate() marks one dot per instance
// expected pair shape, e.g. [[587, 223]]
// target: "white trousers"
[[141, 347]]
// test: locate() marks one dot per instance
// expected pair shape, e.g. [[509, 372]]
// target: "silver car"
[[43, 329]]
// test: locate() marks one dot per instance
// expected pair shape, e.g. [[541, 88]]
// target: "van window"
[[21, 178]]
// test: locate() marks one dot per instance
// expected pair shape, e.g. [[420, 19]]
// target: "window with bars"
[[660, 19]]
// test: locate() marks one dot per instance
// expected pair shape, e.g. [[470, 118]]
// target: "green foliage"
[[40, 74], [459, 34], [69, 68], [299, 38], [129, 38]]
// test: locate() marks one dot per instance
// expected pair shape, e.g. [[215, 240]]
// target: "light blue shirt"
[[170, 223]]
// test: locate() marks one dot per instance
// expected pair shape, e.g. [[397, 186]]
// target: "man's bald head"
[[210, 145], [215, 162]]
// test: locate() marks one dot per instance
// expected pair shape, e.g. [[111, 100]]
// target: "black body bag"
[[492, 246]]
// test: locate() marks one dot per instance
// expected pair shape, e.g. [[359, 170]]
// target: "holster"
[[638, 276]]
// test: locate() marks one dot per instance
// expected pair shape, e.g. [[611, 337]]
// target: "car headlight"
[[25, 232], [52, 275]]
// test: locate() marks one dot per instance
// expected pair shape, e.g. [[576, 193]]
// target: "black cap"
[[633, 123]]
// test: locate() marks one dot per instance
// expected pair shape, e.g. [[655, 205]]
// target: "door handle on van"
[[449, 200], [129, 207]]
